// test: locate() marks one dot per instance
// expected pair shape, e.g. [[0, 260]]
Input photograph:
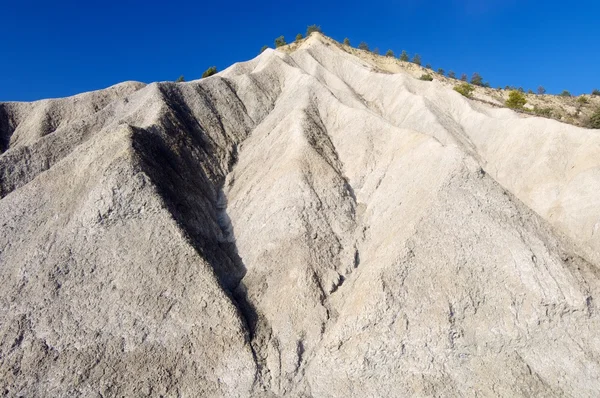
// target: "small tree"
[[346, 41], [376, 51], [426, 77], [463, 77], [313, 28], [530, 91], [299, 37], [596, 92], [404, 56], [541, 90], [417, 59], [476, 79], [565, 93], [428, 66], [594, 120], [280, 41], [451, 74], [441, 71], [516, 100], [389, 53], [465, 89], [363, 46], [180, 79], [263, 48], [209, 72]]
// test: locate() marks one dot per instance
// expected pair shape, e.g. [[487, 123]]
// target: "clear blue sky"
[[60, 48]]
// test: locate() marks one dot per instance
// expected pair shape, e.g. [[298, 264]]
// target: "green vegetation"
[[299, 37], [426, 77], [594, 120], [280, 41], [263, 48], [404, 56], [516, 100], [476, 79], [565, 93], [313, 28], [541, 90], [441, 71], [596, 92], [546, 112], [417, 59], [465, 89], [346, 41], [583, 100], [389, 53], [428, 66], [463, 77], [452, 75], [180, 79], [363, 46], [209, 72]]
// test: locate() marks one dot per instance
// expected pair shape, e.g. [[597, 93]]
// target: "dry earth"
[[302, 224], [574, 110]]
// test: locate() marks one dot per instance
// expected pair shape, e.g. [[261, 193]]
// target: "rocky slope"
[[300, 225], [575, 110]]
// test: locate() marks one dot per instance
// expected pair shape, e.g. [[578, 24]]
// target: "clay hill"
[[304, 224]]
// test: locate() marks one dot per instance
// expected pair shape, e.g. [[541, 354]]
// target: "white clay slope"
[[297, 225]]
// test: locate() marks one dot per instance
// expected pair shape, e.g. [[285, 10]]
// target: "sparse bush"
[[428, 66], [313, 28], [565, 93], [363, 46], [596, 92], [346, 41], [417, 59], [280, 41], [465, 89], [263, 48], [209, 72], [389, 53], [530, 91], [404, 56], [463, 77], [180, 79], [521, 89], [516, 100], [299, 37], [541, 90], [451, 74], [583, 100], [376, 51], [476, 79], [594, 121], [441, 71], [426, 77], [546, 112]]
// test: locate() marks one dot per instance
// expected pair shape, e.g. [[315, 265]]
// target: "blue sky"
[[60, 48]]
